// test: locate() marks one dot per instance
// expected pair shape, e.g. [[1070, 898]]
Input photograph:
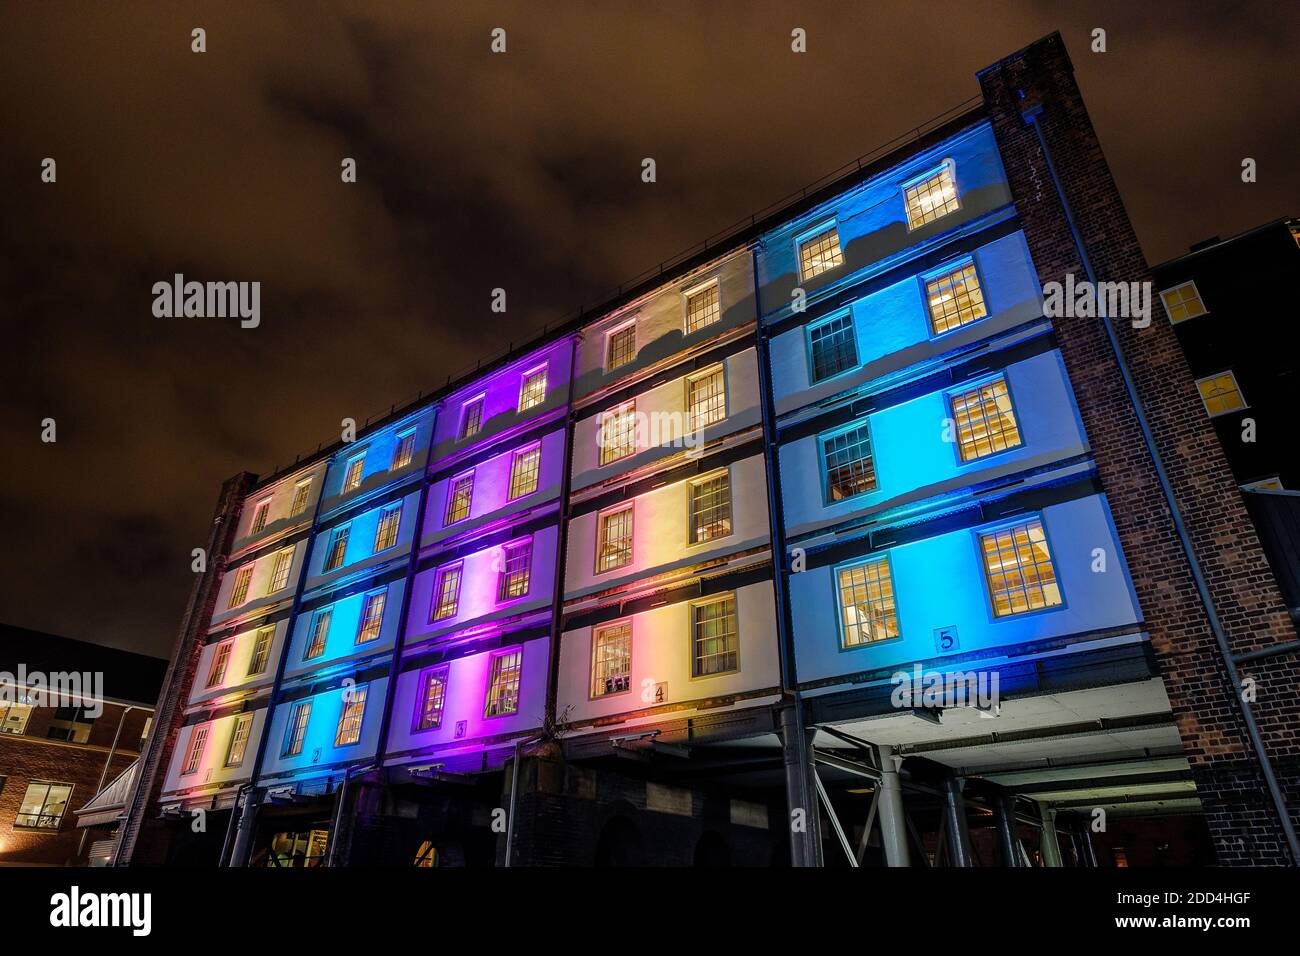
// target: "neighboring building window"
[[702, 307], [471, 418], [931, 198], [1221, 394], [503, 687], [238, 740], [433, 695], [280, 570], [516, 568], [296, 731], [320, 632], [300, 493], [338, 547], [217, 673], [819, 253], [352, 479], [43, 805], [711, 507], [260, 514], [850, 468], [239, 593], [1265, 484], [866, 598], [617, 435], [13, 718], [1183, 302], [985, 420], [620, 346], [706, 398], [458, 498], [715, 637], [611, 660], [954, 299], [524, 469], [1018, 565], [532, 390], [372, 616], [198, 738], [386, 531], [72, 724], [447, 593], [261, 650], [404, 454], [354, 710], [832, 346], [614, 544]]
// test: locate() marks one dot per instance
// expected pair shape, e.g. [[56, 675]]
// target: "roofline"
[[1271, 224]]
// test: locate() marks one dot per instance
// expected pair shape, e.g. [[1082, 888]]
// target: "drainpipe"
[[103, 774], [958, 828], [561, 561], [1220, 638], [514, 796]]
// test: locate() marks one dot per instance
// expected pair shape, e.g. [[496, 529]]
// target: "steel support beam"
[[893, 822], [1049, 843], [1004, 811], [801, 795], [958, 830]]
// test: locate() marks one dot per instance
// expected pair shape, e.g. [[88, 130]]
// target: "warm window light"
[[954, 299], [866, 597], [1018, 565], [1221, 394], [931, 198], [1183, 302], [820, 253], [985, 420]]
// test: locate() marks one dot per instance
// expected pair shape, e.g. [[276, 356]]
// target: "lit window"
[[985, 420], [711, 508], [1221, 394], [850, 468], [239, 593], [43, 805], [867, 611], [458, 498], [354, 710], [198, 737], [471, 421], [614, 548], [72, 724], [931, 198], [404, 454], [955, 299], [13, 717], [447, 593], [352, 479], [338, 547], [819, 253], [715, 637], [503, 687], [516, 566], [433, 695], [260, 514], [620, 347], [390, 520], [832, 346], [1019, 569], [702, 307], [296, 731], [261, 650], [217, 673], [1265, 484], [532, 391], [706, 398], [238, 740], [1183, 302], [372, 616], [320, 631], [617, 434], [280, 570], [611, 661], [300, 492], [524, 469]]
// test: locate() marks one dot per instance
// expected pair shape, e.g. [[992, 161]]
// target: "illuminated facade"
[[639, 590]]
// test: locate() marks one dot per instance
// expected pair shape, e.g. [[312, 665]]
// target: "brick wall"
[[1242, 586]]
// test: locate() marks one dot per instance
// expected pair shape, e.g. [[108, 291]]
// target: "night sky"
[[476, 171]]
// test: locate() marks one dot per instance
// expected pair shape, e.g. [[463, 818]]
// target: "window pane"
[[503, 690], [260, 515], [614, 547], [320, 628], [300, 492], [432, 696], [1183, 302], [472, 421], [354, 709], [833, 346], [611, 670], [239, 593], [353, 478], [702, 308], [955, 299], [716, 637], [617, 434], [711, 508], [372, 616], [524, 468], [458, 499], [985, 420], [850, 469], [931, 198], [447, 594], [261, 651], [297, 729], [819, 253], [1019, 568], [1221, 394], [706, 399], [280, 571], [238, 740], [338, 548], [532, 391], [621, 347], [867, 612], [516, 563], [390, 520], [405, 452]]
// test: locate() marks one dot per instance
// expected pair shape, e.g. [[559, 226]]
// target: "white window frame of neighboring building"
[[808, 235], [518, 455], [701, 288], [947, 166], [295, 731], [609, 344], [261, 512], [243, 722], [301, 492], [463, 431], [356, 463], [525, 390], [403, 454], [595, 691], [1196, 294], [712, 406], [194, 749], [1236, 387], [601, 518]]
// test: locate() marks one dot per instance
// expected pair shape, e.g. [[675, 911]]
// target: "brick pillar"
[[141, 839], [1242, 586]]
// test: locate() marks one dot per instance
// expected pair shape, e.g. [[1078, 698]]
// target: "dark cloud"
[[476, 171]]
